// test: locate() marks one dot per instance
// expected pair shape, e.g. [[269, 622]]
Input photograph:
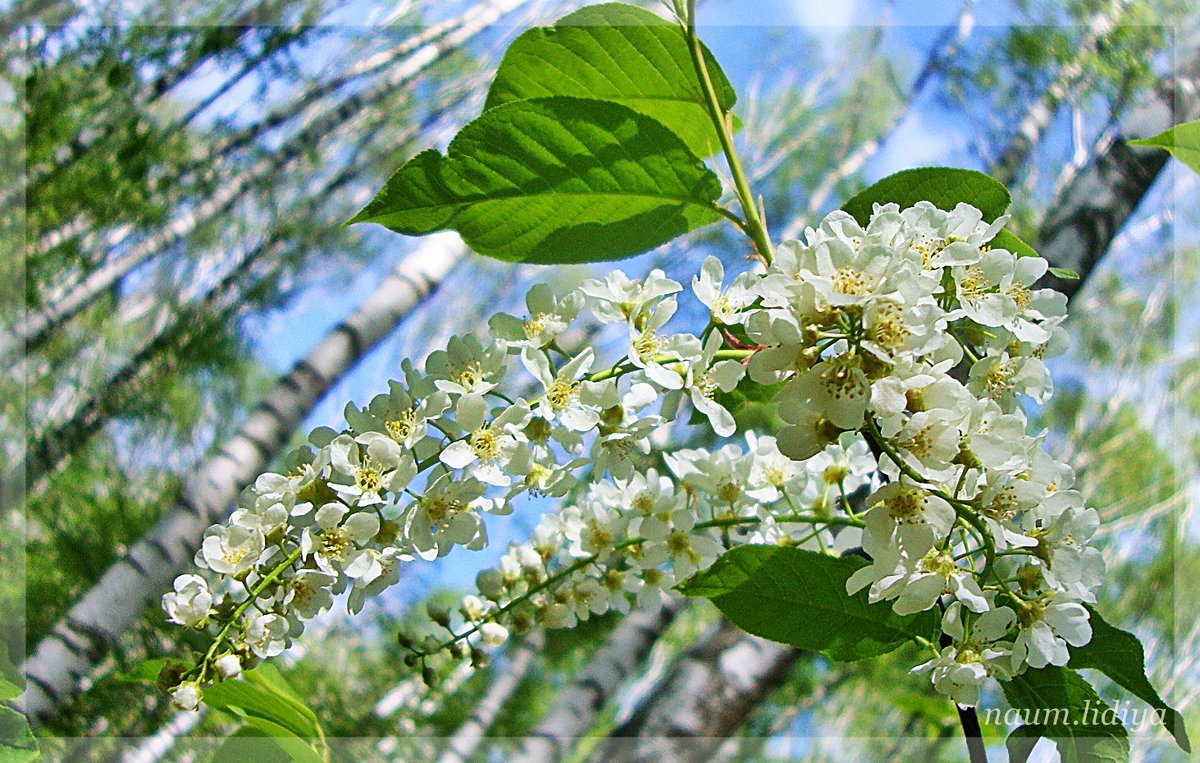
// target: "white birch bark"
[[577, 706]]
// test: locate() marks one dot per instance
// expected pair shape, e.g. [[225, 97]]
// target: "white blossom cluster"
[[898, 352], [627, 542]]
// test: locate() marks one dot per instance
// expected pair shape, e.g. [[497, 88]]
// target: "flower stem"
[[753, 224]]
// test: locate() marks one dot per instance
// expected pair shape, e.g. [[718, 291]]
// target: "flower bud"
[[493, 634], [228, 666], [490, 583], [430, 677], [187, 696], [438, 613]]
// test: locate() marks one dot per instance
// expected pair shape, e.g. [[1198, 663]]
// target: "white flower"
[[705, 378], [493, 634], [685, 548], [445, 515], [336, 534], [617, 299], [772, 474], [908, 517], [266, 635], [651, 352], [548, 317], [564, 396], [847, 462], [189, 604], [620, 449], [1002, 377], [837, 388], [231, 550], [808, 431], [488, 446], [961, 668], [310, 592], [593, 529], [399, 414], [723, 475], [936, 574], [726, 308], [377, 571], [368, 466], [466, 367], [1047, 626]]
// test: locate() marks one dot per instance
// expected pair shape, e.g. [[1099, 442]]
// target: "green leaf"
[[799, 597], [17, 743], [1064, 273], [1010, 242], [10, 677], [1183, 141], [620, 53], [260, 746], [1119, 655], [1058, 704], [944, 187], [553, 180], [263, 699]]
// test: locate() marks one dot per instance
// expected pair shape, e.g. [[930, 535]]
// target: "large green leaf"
[[1057, 703], [1119, 655], [799, 597], [1183, 141], [553, 180], [263, 699], [621, 53], [944, 187]]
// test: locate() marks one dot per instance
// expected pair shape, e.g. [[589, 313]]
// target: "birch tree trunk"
[[577, 706], [1033, 125], [469, 735], [31, 330], [115, 603], [703, 698]]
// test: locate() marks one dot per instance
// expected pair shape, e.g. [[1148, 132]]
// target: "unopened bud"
[[228, 666], [490, 583], [438, 613], [479, 658]]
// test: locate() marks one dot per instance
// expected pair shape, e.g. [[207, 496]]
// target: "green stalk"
[[753, 225]]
